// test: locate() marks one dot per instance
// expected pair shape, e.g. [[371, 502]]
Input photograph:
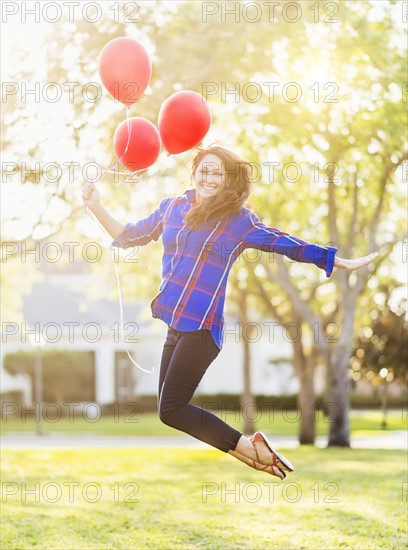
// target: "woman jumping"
[[203, 232]]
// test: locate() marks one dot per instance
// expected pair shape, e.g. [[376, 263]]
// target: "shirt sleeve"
[[269, 239], [143, 231]]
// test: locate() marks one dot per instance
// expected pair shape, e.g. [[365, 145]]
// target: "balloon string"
[[111, 169], [119, 293], [90, 214], [129, 130], [121, 318]]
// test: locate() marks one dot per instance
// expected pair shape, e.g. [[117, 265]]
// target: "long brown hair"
[[232, 194]]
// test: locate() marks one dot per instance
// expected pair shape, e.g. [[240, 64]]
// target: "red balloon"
[[143, 146], [184, 120], [125, 69]]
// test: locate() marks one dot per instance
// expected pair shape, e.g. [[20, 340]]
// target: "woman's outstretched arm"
[[270, 239], [258, 235]]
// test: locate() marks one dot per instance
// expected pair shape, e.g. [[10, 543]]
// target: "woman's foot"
[[255, 448], [272, 470], [259, 439]]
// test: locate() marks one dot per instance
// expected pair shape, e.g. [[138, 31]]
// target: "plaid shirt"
[[196, 264]]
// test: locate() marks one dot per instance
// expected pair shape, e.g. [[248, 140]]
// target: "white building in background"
[[58, 306]]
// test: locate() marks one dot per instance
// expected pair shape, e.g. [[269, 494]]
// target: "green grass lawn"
[[177, 498], [273, 422]]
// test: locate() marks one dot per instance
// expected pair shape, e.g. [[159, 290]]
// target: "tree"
[[356, 199], [68, 376], [381, 352], [239, 303]]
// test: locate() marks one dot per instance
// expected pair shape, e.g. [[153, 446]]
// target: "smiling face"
[[209, 177]]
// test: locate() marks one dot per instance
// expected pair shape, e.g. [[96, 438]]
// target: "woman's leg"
[[186, 358], [167, 353], [172, 410]]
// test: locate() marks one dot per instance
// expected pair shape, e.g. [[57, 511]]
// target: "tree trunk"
[[246, 395], [306, 401], [339, 383], [383, 395], [304, 367], [338, 405]]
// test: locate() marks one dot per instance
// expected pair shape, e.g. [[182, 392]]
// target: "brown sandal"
[[278, 460], [264, 467]]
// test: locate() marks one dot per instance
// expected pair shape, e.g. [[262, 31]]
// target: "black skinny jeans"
[[185, 359]]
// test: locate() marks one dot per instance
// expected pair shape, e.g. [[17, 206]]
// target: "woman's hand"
[[90, 195], [351, 265]]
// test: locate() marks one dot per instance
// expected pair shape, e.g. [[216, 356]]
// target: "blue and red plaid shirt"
[[196, 264]]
